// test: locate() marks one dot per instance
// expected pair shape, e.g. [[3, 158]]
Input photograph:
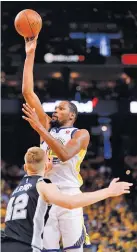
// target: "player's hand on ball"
[[118, 188], [30, 45]]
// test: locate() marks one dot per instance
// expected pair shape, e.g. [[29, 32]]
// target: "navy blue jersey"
[[26, 213]]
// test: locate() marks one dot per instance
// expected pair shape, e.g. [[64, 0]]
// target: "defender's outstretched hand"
[[118, 188], [30, 45]]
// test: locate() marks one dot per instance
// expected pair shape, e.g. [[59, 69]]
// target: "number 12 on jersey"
[[17, 207]]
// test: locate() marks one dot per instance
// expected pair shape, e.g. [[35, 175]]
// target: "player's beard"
[[55, 123]]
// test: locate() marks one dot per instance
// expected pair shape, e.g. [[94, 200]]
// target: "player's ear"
[[45, 170], [72, 116], [25, 168]]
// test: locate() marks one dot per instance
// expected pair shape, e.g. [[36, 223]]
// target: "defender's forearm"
[[85, 199], [51, 194]]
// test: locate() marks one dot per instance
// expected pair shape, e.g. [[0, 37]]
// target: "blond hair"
[[35, 158]]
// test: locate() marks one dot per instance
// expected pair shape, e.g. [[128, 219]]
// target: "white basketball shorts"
[[67, 225]]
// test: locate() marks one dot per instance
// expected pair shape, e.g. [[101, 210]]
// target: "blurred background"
[[86, 53]]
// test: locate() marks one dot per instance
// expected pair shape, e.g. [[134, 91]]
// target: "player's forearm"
[[28, 83], [54, 144], [51, 194], [85, 199], [78, 200]]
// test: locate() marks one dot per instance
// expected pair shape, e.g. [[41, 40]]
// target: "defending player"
[[27, 212]]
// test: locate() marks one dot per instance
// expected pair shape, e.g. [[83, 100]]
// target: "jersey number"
[[16, 208]]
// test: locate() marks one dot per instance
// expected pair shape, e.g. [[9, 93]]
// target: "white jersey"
[[65, 174]]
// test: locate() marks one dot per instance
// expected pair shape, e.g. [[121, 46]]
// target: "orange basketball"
[[28, 23]]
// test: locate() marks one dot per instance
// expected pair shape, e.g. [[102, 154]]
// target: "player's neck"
[[30, 173], [66, 125]]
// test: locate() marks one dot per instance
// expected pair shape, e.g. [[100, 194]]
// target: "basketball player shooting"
[[27, 212], [67, 146]]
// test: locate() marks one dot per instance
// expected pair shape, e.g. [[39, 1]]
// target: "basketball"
[[28, 23]]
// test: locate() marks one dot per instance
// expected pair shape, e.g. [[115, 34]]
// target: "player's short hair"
[[73, 109], [35, 157]]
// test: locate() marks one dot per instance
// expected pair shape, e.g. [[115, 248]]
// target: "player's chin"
[[54, 118], [54, 122]]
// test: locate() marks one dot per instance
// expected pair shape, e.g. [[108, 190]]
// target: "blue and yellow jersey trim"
[[81, 156]]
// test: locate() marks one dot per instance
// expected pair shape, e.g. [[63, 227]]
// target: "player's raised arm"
[[64, 153], [28, 83], [51, 194]]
